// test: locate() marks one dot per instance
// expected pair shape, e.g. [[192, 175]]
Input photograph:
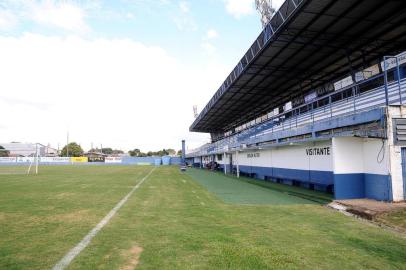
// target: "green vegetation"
[[106, 150], [396, 219], [3, 152], [164, 152], [173, 222], [72, 150]]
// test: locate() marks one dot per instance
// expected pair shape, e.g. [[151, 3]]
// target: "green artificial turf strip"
[[178, 223], [249, 191]]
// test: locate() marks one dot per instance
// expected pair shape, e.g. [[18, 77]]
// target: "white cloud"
[[185, 23], [130, 15], [212, 34], [117, 92], [208, 47], [239, 8], [206, 44], [7, 20], [184, 6], [65, 15], [183, 20]]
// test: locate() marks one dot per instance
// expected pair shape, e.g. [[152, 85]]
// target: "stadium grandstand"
[[317, 101]]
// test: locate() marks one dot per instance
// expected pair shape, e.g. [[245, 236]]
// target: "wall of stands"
[[361, 169], [348, 166], [309, 164], [93, 160]]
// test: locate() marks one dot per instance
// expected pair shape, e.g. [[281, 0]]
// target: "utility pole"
[[67, 144]]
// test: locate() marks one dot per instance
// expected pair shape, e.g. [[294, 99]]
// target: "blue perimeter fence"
[[157, 161]]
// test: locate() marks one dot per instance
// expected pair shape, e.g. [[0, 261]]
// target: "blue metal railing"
[[390, 93]]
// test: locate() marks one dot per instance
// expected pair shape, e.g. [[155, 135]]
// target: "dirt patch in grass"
[[71, 216], [64, 195], [134, 255], [395, 219], [389, 214]]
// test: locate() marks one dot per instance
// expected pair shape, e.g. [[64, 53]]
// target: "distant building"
[[94, 154], [18, 149]]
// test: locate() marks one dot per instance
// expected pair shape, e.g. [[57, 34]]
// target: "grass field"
[[196, 220]]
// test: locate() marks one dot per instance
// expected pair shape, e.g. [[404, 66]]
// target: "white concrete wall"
[[360, 155], [289, 157], [376, 156], [251, 158], [348, 155], [395, 156]]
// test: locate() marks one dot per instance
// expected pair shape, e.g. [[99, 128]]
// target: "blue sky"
[[142, 64]]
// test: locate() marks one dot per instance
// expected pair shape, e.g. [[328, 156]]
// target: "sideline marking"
[[71, 255]]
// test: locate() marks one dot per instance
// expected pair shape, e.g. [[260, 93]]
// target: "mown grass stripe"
[[71, 255]]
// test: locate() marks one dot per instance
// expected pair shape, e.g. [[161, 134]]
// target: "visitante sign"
[[318, 151], [252, 155]]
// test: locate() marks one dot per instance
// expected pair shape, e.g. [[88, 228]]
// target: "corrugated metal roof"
[[307, 44]]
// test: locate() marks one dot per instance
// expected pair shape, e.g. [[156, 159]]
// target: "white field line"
[[71, 255]]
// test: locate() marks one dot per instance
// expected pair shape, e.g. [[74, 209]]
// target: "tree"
[[136, 153], [72, 150], [179, 153], [107, 151], [164, 152], [4, 152], [117, 152]]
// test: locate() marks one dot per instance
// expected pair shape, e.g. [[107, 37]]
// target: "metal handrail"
[[372, 98], [340, 108]]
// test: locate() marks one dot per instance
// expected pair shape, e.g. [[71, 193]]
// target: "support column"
[[224, 163], [237, 163], [183, 153]]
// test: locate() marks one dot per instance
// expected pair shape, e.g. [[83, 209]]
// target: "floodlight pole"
[[67, 144]]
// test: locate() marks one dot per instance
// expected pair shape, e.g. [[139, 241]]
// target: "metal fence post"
[[386, 81], [312, 113], [353, 96], [283, 124], [331, 106], [297, 115], [398, 73]]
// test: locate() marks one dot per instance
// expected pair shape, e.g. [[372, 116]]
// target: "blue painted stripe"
[[312, 176], [362, 185], [377, 187], [349, 186], [346, 186]]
